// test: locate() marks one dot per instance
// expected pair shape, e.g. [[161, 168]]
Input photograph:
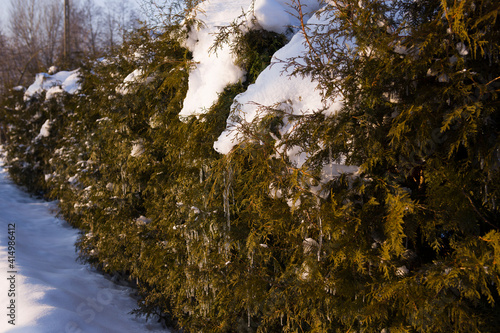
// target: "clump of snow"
[[137, 76], [68, 81], [73, 179], [402, 271], [155, 121], [310, 245], [431, 72], [175, 227], [400, 49], [216, 70], [134, 77], [462, 49], [142, 220], [281, 16], [53, 91], [137, 149], [72, 82], [276, 87], [272, 16], [45, 130]]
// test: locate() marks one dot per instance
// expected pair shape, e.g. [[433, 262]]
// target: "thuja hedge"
[[243, 242]]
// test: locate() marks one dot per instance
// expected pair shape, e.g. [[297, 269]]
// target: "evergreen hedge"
[[250, 241]]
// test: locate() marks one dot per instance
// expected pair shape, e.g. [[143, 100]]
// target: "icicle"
[[123, 175], [248, 311], [227, 246], [331, 160], [224, 197], [248, 308], [225, 193], [201, 174], [227, 208], [485, 192], [232, 193], [320, 239]]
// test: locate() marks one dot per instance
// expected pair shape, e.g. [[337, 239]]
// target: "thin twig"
[[477, 210]]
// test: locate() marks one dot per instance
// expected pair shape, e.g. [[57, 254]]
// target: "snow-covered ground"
[[54, 293]]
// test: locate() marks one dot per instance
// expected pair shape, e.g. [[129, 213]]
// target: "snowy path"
[[53, 293]]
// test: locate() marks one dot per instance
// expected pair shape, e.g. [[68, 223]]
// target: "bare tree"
[[51, 31], [25, 35], [34, 40], [91, 14], [119, 19], [6, 70]]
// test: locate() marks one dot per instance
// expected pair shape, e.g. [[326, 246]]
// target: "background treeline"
[[31, 41], [246, 242]]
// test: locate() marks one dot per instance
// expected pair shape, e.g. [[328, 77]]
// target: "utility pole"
[[66, 47]]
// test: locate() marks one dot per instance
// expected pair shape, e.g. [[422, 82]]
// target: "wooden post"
[[66, 47]]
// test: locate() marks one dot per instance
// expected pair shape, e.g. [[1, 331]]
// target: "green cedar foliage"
[[29, 154], [251, 241], [419, 81]]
